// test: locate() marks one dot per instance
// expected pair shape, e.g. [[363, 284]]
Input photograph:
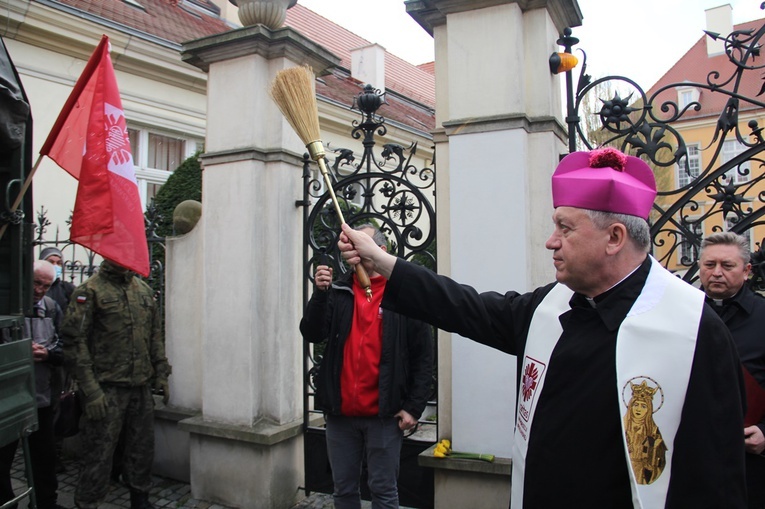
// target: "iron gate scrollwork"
[[725, 192], [398, 197]]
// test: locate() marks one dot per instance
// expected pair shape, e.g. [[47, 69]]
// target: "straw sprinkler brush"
[[293, 92]]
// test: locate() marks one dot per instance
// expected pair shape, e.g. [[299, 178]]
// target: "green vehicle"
[[18, 412]]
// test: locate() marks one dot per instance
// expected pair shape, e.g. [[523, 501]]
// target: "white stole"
[[655, 345]]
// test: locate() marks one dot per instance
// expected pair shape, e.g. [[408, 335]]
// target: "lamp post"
[[565, 62]]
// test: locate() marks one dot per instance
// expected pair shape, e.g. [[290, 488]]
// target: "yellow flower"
[[444, 449]]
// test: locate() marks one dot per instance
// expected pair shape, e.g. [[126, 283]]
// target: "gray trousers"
[[349, 440]]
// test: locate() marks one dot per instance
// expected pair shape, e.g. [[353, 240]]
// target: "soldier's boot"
[[140, 500]]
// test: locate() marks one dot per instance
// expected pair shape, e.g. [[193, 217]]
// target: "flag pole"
[[21, 194]]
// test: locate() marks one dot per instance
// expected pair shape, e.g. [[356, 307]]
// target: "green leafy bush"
[[184, 184]]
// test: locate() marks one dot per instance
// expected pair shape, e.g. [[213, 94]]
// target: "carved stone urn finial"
[[270, 13]]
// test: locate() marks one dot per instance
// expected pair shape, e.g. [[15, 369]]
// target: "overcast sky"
[[637, 39]]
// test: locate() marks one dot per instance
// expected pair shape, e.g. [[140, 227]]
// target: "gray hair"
[[728, 239], [377, 235], [45, 267], [637, 227]]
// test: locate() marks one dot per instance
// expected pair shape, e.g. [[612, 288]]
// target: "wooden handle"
[[361, 272], [364, 281]]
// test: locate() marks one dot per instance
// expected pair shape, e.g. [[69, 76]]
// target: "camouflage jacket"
[[112, 332]]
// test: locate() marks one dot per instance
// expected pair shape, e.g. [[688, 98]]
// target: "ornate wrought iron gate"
[[725, 193], [399, 198]]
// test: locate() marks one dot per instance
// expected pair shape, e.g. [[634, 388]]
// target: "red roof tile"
[[428, 67], [159, 18], [170, 20], [400, 75], [343, 89], [695, 67]]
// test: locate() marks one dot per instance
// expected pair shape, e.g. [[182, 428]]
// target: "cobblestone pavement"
[[166, 493]]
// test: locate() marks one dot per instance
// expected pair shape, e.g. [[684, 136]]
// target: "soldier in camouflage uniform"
[[113, 344]]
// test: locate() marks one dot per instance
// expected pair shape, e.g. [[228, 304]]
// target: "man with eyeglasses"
[[47, 352]]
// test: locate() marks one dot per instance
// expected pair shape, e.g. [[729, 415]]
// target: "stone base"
[[171, 444], [258, 467], [469, 483]]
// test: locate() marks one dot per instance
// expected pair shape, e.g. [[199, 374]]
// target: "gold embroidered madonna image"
[[646, 448]]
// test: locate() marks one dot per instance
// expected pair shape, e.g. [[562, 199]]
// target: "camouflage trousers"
[[133, 409]]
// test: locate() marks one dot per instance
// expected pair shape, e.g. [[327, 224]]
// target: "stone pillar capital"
[[259, 40], [432, 13]]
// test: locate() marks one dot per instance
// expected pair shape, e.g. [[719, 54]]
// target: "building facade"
[[165, 98], [713, 120]]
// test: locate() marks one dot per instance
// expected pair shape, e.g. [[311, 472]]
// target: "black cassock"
[[576, 452], [744, 314]]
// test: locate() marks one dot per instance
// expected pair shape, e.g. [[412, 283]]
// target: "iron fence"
[[724, 192]]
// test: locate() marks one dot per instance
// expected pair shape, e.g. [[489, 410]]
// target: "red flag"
[[90, 141]]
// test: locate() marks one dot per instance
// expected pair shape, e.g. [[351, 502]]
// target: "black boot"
[[140, 500]]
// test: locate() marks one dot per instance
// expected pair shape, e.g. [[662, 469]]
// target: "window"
[[687, 175], [730, 149], [730, 223], [686, 96], [156, 155], [689, 252], [165, 153], [151, 191]]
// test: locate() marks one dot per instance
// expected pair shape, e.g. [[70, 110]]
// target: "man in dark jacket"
[[724, 269], [373, 383], [41, 326], [60, 291]]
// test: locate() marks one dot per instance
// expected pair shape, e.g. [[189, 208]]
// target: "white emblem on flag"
[[118, 143]]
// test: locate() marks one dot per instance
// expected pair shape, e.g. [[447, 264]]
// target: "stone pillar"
[[184, 312], [499, 110], [246, 444]]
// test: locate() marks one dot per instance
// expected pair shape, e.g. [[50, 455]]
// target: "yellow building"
[[710, 99]]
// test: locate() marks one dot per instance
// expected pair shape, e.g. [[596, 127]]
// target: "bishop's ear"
[[617, 238]]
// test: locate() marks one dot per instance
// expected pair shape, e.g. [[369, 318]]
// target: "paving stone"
[[165, 494]]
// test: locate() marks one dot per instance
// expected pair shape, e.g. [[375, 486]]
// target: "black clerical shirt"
[[744, 314]]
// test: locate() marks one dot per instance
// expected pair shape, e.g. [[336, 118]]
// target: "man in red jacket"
[[373, 383]]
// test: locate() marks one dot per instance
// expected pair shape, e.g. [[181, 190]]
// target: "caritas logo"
[[118, 143], [530, 380]]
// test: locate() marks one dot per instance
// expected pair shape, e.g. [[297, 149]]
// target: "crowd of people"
[[110, 342], [634, 390]]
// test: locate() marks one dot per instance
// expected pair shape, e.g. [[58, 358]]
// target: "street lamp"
[[565, 62]]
